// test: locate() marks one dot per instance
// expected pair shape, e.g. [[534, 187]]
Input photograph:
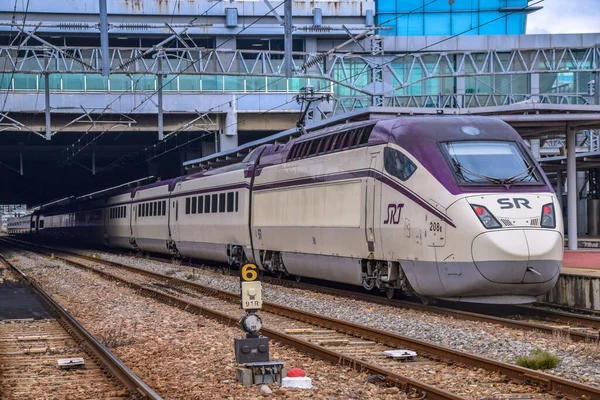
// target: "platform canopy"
[[532, 120]]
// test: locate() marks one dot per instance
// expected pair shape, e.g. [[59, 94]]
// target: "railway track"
[[576, 326], [30, 350], [339, 341]]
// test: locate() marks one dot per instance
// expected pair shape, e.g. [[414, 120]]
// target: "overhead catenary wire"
[[344, 80], [12, 74], [147, 98]]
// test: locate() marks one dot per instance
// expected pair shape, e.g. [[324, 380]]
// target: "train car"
[[21, 225], [117, 221], [150, 218], [451, 208], [209, 214]]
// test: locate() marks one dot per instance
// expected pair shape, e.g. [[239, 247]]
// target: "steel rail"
[[406, 384], [551, 383], [557, 316], [116, 367], [593, 322]]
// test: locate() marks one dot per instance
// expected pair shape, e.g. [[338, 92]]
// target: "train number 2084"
[[435, 227]]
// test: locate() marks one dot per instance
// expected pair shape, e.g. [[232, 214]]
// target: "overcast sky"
[[565, 16]]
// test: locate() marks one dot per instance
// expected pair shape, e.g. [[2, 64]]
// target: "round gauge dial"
[[251, 323]]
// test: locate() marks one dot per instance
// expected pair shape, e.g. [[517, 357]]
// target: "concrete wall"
[[575, 291]]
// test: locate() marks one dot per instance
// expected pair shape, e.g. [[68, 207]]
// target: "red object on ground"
[[582, 259], [296, 373]]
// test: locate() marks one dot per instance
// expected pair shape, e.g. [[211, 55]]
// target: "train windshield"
[[485, 162]]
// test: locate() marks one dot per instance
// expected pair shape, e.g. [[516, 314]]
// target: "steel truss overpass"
[[47, 89]]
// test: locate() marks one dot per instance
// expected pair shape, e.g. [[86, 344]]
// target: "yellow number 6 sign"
[[249, 272]]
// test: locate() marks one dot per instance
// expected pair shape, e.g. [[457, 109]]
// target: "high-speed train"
[[452, 208]]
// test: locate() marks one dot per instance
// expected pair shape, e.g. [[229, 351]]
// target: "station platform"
[[579, 282], [582, 258]]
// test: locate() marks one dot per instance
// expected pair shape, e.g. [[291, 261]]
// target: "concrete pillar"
[[228, 139], [571, 188], [534, 144], [582, 219]]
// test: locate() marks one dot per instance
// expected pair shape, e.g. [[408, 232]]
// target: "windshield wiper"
[[460, 169], [528, 173]]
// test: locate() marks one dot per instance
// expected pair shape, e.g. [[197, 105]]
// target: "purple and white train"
[[452, 208]]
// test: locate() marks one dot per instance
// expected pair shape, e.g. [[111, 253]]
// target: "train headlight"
[[548, 219], [486, 218]]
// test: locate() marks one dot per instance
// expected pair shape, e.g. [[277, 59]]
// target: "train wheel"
[[368, 284]]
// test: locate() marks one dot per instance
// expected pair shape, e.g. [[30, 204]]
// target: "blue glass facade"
[[468, 17]]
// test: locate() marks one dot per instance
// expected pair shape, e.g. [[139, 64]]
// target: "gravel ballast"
[[579, 360], [179, 354]]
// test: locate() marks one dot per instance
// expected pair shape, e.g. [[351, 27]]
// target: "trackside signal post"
[[252, 351]]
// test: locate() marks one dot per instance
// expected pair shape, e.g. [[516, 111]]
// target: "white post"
[[571, 188]]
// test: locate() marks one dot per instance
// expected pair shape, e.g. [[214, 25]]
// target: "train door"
[[137, 208], [174, 214], [370, 205]]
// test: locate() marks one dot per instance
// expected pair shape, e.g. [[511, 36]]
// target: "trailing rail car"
[[452, 208]]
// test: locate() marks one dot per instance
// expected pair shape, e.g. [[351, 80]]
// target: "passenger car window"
[[397, 164]]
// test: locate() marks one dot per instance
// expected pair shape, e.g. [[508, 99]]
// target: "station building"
[[196, 84]]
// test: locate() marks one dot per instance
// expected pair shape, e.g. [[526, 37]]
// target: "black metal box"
[[249, 350]]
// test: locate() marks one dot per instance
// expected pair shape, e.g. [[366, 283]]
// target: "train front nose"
[[518, 255], [501, 254]]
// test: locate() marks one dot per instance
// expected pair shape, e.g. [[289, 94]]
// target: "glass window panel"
[[234, 83], [143, 82], [462, 22], [296, 84], [120, 82], [230, 202], [25, 81], [73, 82], [214, 204], [53, 81], [194, 203], [96, 82], [437, 24], [5, 81], [200, 204], [492, 23], [221, 202], [323, 85], [155, 209], [164, 207], [277, 84], [169, 83], [189, 82], [187, 205], [207, 204], [212, 83], [256, 83], [410, 25], [584, 81]]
